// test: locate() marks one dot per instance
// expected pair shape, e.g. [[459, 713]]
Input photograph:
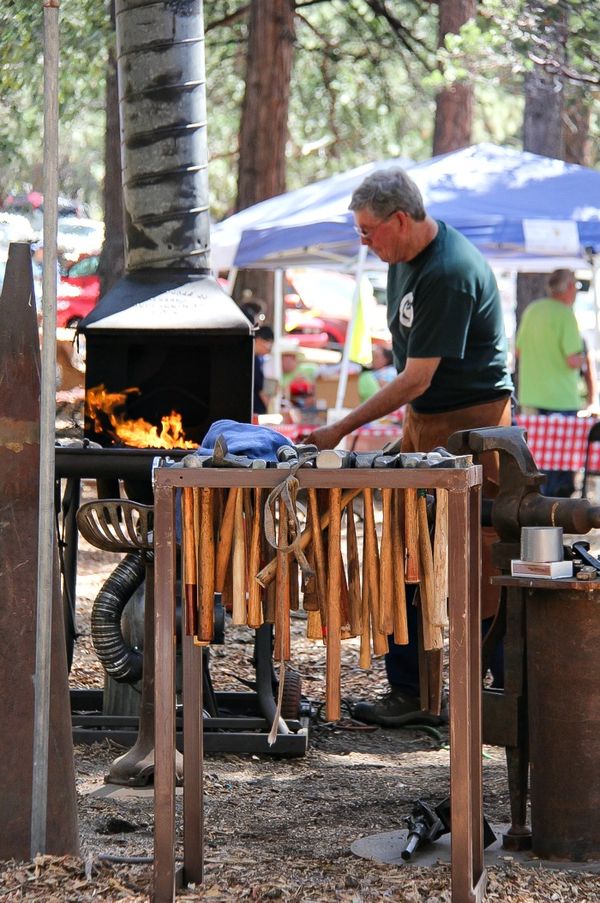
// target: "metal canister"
[[542, 544]]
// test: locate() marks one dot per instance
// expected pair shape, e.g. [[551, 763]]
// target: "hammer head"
[[334, 459]]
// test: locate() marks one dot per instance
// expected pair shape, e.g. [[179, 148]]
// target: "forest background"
[[301, 89]]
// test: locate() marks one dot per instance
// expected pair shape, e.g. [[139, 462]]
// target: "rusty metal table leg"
[[518, 836], [192, 762], [464, 599], [164, 699]]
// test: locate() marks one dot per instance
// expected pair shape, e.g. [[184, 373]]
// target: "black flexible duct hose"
[[119, 660]]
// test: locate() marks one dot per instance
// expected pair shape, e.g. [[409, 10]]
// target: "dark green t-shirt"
[[445, 303]]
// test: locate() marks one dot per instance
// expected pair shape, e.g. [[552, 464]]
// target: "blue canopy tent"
[[318, 211], [523, 211], [494, 195]]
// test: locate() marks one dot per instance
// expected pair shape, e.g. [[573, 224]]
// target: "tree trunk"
[[264, 123], [454, 104], [542, 134], [112, 258], [576, 126], [542, 120]]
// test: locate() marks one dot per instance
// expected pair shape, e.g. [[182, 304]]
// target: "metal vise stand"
[[519, 503]]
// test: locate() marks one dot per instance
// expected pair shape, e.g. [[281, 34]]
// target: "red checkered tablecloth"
[[556, 442], [559, 443]]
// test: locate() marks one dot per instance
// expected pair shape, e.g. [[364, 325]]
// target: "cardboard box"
[[326, 388]]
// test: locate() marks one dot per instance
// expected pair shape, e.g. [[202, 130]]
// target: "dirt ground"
[[277, 828]]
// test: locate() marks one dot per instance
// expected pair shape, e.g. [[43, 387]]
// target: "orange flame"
[[136, 433]]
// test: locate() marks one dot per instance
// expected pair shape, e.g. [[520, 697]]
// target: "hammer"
[[334, 459], [433, 637], [255, 615], [353, 573], [333, 696], [207, 565], [190, 575], [238, 614]]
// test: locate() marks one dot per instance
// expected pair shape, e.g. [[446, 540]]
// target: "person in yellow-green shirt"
[[551, 354], [381, 372]]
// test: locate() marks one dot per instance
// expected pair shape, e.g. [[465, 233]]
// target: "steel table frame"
[[464, 579]]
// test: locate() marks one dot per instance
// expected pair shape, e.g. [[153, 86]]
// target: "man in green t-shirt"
[[449, 347], [551, 355]]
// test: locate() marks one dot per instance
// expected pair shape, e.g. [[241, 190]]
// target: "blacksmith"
[[449, 345]]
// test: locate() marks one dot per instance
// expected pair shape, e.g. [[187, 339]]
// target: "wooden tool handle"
[[334, 561], [440, 560], [207, 567], [282, 650], [364, 660], [380, 642], [267, 574], [354, 593], [226, 539], [238, 613], [411, 533], [255, 614], [189, 563], [318, 548], [269, 592], [294, 584], [314, 628], [399, 602], [345, 632], [310, 597], [432, 636], [386, 574]]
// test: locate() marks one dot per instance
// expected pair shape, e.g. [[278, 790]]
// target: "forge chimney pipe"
[[164, 150]]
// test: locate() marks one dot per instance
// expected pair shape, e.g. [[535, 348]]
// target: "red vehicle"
[[78, 291], [318, 306]]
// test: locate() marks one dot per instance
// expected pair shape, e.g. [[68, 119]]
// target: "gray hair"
[[386, 191], [560, 280]]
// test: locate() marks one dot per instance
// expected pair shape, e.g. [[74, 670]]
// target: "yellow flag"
[[360, 345]]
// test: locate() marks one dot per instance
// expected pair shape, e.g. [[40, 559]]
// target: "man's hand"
[[325, 436]]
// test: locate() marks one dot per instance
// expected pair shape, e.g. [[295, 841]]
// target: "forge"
[[167, 336]]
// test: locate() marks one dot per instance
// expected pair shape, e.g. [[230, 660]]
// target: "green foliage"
[[363, 84], [358, 92], [83, 34]]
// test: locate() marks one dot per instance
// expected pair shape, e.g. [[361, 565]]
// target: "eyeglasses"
[[369, 232]]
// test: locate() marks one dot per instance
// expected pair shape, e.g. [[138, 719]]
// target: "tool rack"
[[464, 547]]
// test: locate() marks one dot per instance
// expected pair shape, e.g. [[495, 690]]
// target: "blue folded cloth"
[[241, 439], [244, 439]]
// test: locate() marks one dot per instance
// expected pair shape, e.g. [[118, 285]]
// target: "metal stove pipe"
[[119, 660], [164, 149]]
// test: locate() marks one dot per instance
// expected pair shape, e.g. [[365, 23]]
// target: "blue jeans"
[[402, 662]]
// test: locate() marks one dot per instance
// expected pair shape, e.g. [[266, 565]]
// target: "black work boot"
[[396, 709]]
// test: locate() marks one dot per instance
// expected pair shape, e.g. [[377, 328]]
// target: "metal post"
[[39, 799], [278, 327], [343, 380]]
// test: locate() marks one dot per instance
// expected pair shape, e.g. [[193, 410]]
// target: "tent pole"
[[231, 277], [278, 327], [45, 582], [595, 264], [343, 380]]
